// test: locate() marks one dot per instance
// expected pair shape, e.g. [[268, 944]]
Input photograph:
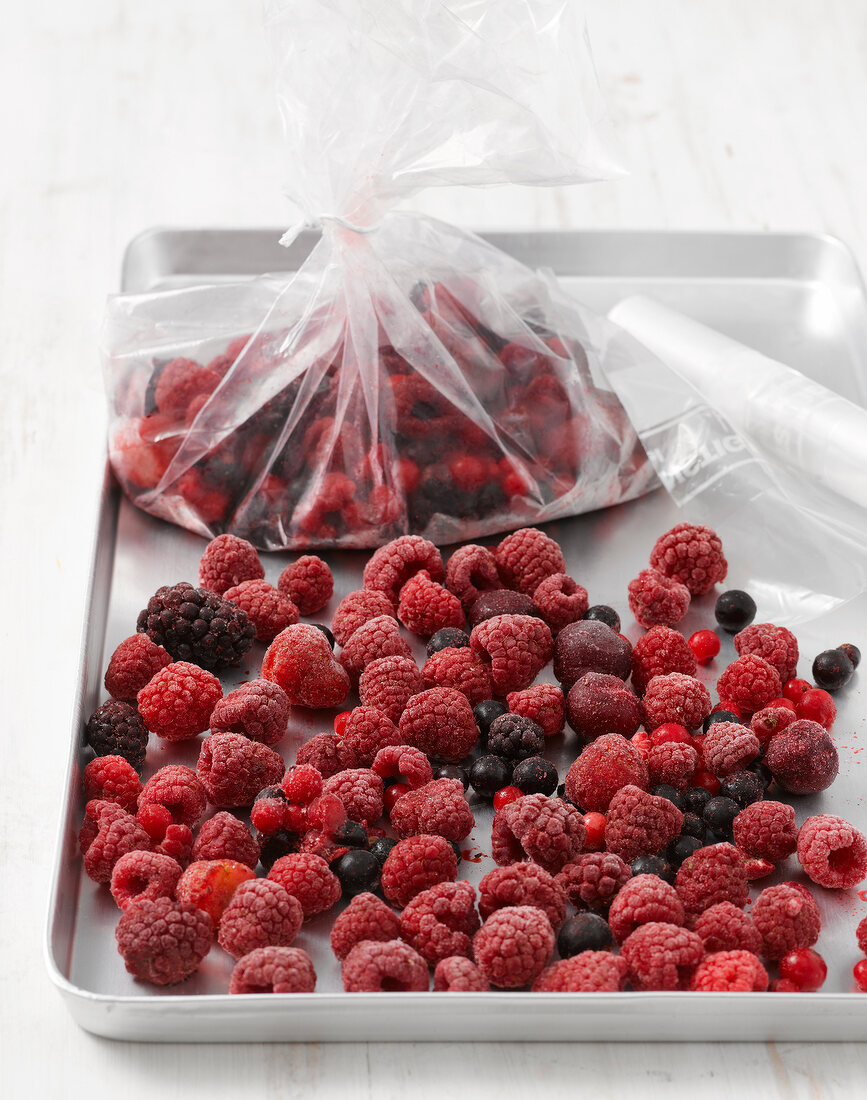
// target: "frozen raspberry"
[[107, 833], [360, 790], [388, 683], [440, 722], [586, 972], [461, 669], [133, 664], [268, 609], [302, 783], [327, 753], [141, 875], [730, 972], [366, 917], [177, 703], [392, 565], [547, 830], [750, 682], [802, 758], [675, 697], [643, 899], [259, 710], [692, 555], [260, 914], [210, 884], [234, 769], [729, 747], [180, 790], [404, 762], [657, 600], [513, 946], [224, 836], [439, 808], [393, 966], [766, 829], [195, 624], [606, 764], [367, 731], [778, 646], [459, 975], [274, 970], [309, 879], [426, 607], [671, 763], [590, 646], [724, 927], [308, 583], [832, 852], [302, 663], [177, 843], [518, 647], [593, 880], [661, 956], [327, 813], [526, 557], [379, 637], [514, 737], [660, 651], [640, 824], [163, 941], [415, 864], [357, 608], [226, 562], [523, 884], [786, 917], [711, 875], [471, 570], [561, 601], [501, 602], [180, 381], [542, 704], [116, 729], [769, 721], [112, 779], [440, 922], [599, 703]]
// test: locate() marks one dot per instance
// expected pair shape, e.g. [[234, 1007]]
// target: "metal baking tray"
[[798, 298]]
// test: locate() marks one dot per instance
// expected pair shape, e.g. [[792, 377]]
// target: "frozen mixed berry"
[[112, 779], [107, 833], [302, 663], [366, 917], [327, 753], [590, 971], [745, 787], [832, 852], [517, 646], [599, 703], [392, 565], [367, 731], [777, 645], [439, 722], [547, 830], [393, 966], [604, 614], [535, 775], [210, 884], [817, 705], [470, 571], [234, 769], [605, 765], [725, 927], [308, 583], [379, 637], [593, 879], [440, 922], [514, 737], [360, 790], [766, 829], [832, 669], [274, 970], [489, 774], [177, 843], [769, 721], [675, 697], [225, 836], [690, 554], [502, 602], [805, 968], [415, 864], [705, 644], [461, 669], [719, 815], [268, 609], [258, 709], [179, 790], [302, 783], [177, 702], [269, 811], [735, 610], [657, 600], [197, 625], [426, 606], [357, 608], [590, 646], [730, 971], [711, 875], [513, 946], [405, 762], [786, 917], [584, 932], [526, 557], [439, 807], [260, 914], [358, 871], [485, 713], [388, 683], [309, 879], [660, 651], [643, 899], [640, 824], [671, 763], [750, 682], [561, 600], [163, 941], [728, 747], [228, 561], [459, 975], [116, 729], [141, 875], [522, 884], [543, 704], [661, 956], [802, 758], [135, 661]]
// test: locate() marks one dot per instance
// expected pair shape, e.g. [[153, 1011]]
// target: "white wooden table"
[[119, 116]]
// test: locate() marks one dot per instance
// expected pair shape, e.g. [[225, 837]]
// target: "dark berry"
[[450, 637], [270, 792], [351, 834], [452, 771], [734, 610], [485, 713], [117, 729], [663, 790], [274, 845], [719, 814], [358, 871], [695, 799], [561, 793], [763, 772], [602, 613], [535, 775], [381, 847], [693, 826], [456, 848], [682, 849], [196, 625], [515, 737], [719, 716], [586, 932], [652, 865], [326, 632], [488, 774], [832, 669], [852, 652], [743, 787]]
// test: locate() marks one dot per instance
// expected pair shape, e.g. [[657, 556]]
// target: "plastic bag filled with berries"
[[408, 376]]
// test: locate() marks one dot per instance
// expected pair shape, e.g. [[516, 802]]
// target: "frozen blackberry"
[[832, 669], [381, 847], [351, 834], [719, 814], [652, 865], [485, 713], [852, 652], [117, 729], [665, 790], [452, 771], [743, 787], [535, 775], [695, 799], [682, 849], [273, 846], [718, 716], [693, 826], [602, 613], [193, 624], [734, 610], [489, 774], [586, 932], [358, 872], [515, 737], [450, 637], [326, 632]]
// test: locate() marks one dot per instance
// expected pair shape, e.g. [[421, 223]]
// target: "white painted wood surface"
[[119, 116]]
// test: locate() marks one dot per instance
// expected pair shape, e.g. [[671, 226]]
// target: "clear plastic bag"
[[409, 377]]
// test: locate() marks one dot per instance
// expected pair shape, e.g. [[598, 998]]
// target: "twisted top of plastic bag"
[[381, 98]]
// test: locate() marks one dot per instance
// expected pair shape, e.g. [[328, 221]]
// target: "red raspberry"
[[367, 731], [274, 970], [260, 914], [526, 557], [778, 646], [141, 875], [406, 762], [461, 669], [440, 922], [224, 836], [730, 972], [327, 753], [832, 852], [379, 637], [301, 662], [724, 927], [640, 824], [309, 879], [817, 705], [440, 722], [766, 829], [234, 769], [523, 884], [360, 790], [750, 682], [586, 972], [660, 651], [372, 967], [180, 790], [459, 975], [561, 600], [258, 709], [661, 956], [672, 763], [439, 808], [786, 917], [518, 647], [392, 565], [163, 941], [415, 864], [770, 720], [513, 946], [692, 555], [179, 382], [210, 885], [388, 683], [268, 609], [593, 880], [176, 704], [643, 899], [226, 562], [302, 783], [802, 758], [133, 664], [112, 779], [357, 608], [590, 646], [657, 600], [598, 704], [542, 704], [675, 697], [606, 764], [729, 747], [308, 583], [711, 875], [426, 607], [177, 843], [366, 917], [547, 830], [471, 570]]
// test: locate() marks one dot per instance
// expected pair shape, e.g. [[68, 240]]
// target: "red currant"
[[340, 721], [267, 815], [705, 644], [794, 689], [505, 795], [670, 732], [707, 780], [595, 824], [783, 985], [817, 706], [781, 701], [393, 793], [295, 818], [805, 967], [860, 973], [732, 708]]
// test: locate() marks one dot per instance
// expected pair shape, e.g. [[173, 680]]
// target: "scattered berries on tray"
[[547, 830], [561, 600], [660, 651], [415, 864], [786, 917], [459, 975], [730, 972], [180, 790], [426, 607], [832, 852], [735, 610], [599, 703], [590, 646], [604, 766], [750, 682], [388, 684], [517, 646], [141, 875], [309, 879], [225, 836], [526, 557], [802, 758], [461, 669], [439, 722], [589, 971], [440, 922], [358, 608], [523, 884]]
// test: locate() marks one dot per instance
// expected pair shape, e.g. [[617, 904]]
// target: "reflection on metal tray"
[[798, 298]]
